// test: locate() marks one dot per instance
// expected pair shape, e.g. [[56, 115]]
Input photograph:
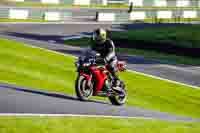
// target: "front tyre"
[[83, 91], [121, 98]]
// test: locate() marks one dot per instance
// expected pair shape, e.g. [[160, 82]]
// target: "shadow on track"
[[39, 37], [50, 94]]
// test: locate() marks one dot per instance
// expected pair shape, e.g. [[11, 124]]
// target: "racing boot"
[[116, 85]]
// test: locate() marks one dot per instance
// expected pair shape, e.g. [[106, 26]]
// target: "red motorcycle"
[[96, 80]]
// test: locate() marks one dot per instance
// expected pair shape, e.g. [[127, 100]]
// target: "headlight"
[[86, 64]]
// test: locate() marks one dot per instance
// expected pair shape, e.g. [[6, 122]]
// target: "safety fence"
[[166, 3], [40, 14], [151, 15], [101, 16], [140, 3]]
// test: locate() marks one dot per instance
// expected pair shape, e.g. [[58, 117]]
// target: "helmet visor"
[[99, 37]]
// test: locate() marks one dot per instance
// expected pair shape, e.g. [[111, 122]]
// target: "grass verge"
[[21, 20], [171, 20], [38, 68], [97, 125]]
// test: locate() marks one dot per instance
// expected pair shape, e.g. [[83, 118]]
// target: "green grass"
[[37, 68], [172, 20], [21, 20], [176, 35], [96, 125], [163, 57]]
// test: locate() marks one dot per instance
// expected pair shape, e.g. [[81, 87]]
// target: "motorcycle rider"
[[106, 50]]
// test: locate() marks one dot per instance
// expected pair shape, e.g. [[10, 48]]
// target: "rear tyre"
[[83, 91], [121, 98]]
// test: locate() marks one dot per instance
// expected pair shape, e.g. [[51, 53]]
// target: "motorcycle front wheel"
[[119, 99], [83, 91]]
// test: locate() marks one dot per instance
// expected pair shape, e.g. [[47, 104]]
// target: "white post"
[[104, 2], [160, 3], [136, 2], [189, 14], [81, 2], [137, 15], [182, 3], [164, 14], [106, 17], [52, 16], [50, 1], [18, 14]]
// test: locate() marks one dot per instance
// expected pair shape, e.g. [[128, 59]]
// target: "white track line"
[[168, 80], [73, 115], [148, 75]]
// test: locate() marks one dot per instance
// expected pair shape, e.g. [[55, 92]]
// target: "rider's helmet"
[[99, 35]]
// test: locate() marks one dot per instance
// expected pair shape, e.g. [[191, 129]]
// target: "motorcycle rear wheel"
[[83, 91]]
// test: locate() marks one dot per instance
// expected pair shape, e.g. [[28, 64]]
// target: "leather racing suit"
[[107, 53]]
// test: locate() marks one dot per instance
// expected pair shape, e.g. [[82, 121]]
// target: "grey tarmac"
[[20, 100]]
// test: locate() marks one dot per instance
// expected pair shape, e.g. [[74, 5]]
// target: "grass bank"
[[21, 20], [171, 20], [97, 125], [37, 68]]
